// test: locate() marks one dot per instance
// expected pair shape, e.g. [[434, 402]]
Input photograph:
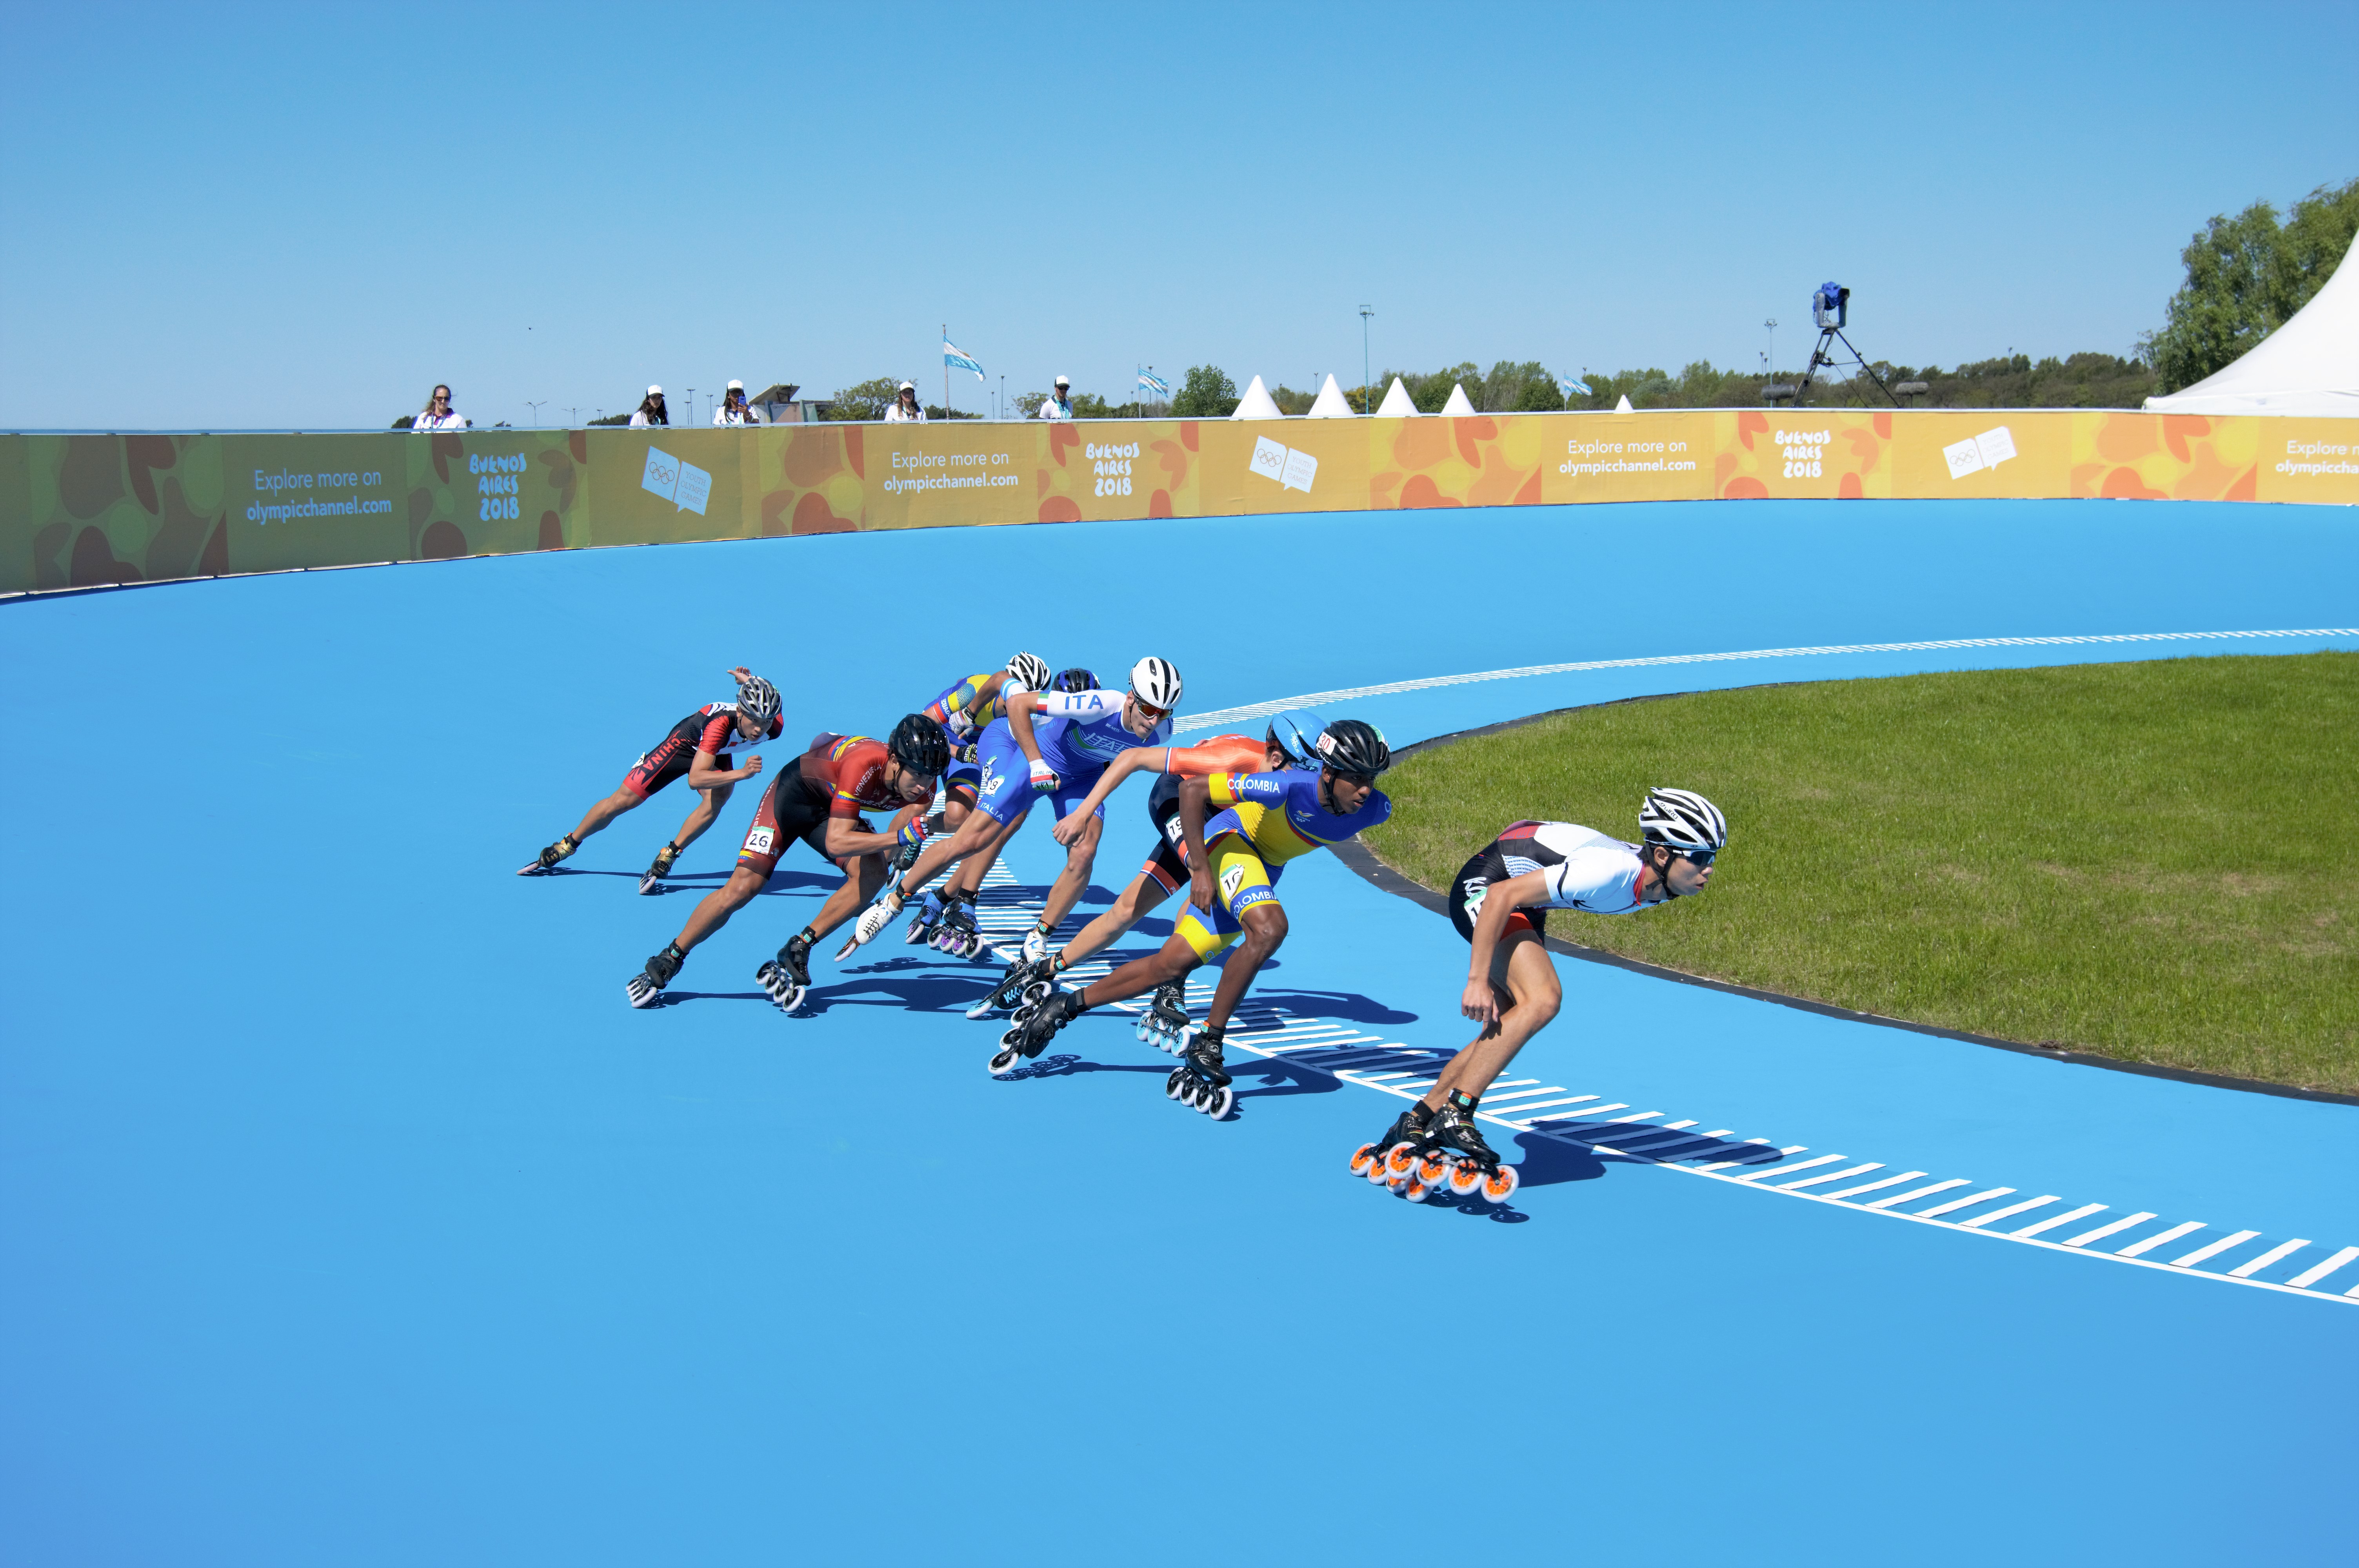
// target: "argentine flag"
[[959, 359], [1150, 382], [1571, 386]]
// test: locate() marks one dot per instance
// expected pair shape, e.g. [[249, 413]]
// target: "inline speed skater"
[[693, 752], [946, 919], [1499, 902], [1234, 862], [818, 799], [1031, 975], [1078, 734]]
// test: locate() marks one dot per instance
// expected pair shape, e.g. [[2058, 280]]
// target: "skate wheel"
[[1140, 1029], [1361, 1158], [1434, 1171], [1501, 1184], [642, 991], [1399, 1160], [1376, 1171], [1181, 1038], [1416, 1191], [1009, 1040], [1465, 1179], [1218, 1103], [1036, 992], [1004, 1061], [915, 934], [1022, 1016], [1175, 1086]]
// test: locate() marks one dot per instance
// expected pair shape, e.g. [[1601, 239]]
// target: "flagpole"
[[946, 369]]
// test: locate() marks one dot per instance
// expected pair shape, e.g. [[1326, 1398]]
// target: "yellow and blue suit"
[[1267, 819], [963, 716]]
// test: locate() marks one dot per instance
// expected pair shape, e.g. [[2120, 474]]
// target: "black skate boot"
[[646, 990], [1165, 1025], [1373, 1160], [651, 880], [787, 976], [1028, 1039], [1452, 1156], [1015, 986], [546, 862], [1198, 1082], [957, 935]]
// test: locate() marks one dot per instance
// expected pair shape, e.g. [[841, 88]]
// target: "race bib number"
[[1231, 881], [759, 841], [1475, 892], [990, 779]]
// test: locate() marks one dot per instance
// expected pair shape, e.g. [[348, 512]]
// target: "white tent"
[[1397, 404], [1257, 404], [2308, 367], [1331, 404], [1623, 406], [1458, 404]]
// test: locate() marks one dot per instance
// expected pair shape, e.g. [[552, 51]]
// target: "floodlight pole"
[[1366, 406], [1772, 325], [536, 408]]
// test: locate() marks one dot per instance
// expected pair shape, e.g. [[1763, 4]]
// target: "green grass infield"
[[2155, 861]]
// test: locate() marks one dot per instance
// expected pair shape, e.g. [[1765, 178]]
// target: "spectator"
[[734, 409], [651, 410], [904, 406], [439, 415], [1058, 404]]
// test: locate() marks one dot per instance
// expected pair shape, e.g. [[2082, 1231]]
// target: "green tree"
[[1207, 393], [2246, 276], [867, 400]]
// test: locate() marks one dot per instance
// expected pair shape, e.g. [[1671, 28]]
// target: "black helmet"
[[918, 744], [1354, 747], [1077, 679]]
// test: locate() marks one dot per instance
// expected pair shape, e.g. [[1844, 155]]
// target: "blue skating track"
[[348, 1214]]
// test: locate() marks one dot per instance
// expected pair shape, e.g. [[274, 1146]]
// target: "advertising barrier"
[[83, 511]]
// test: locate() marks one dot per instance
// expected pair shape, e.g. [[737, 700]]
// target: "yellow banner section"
[[80, 511]]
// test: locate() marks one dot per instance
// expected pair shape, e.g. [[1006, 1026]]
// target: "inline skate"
[[787, 977], [1165, 1025], [1200, 1082]]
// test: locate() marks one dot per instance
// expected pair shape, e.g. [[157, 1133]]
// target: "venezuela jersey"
[[850, 768]]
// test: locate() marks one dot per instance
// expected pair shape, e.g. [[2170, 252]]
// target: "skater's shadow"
[[901, 983], [1349, 1007], [1068, 1066], [1280, 1079], [674, 998]]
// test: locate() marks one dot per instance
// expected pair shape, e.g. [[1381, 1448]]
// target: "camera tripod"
[[1830, 331]]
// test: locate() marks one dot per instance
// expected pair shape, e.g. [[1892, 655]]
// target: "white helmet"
[[1156, 682], [1682, 819], [1029, 671]]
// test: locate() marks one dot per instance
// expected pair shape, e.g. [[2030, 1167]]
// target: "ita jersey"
[[1585, 870], [1281, 814], [1080, 732]]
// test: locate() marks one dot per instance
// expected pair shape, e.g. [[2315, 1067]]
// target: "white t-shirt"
[[725, 414], [1582, 867], [1052, 409], [896, 415], [453, 420]]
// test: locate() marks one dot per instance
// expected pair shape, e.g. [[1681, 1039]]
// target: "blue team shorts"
[[1005, 792]]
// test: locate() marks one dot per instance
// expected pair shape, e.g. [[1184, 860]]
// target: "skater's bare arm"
[[1070, 828], [844, 837], [706, 771], [1500, 900], [1021, 710], [1194, 796]]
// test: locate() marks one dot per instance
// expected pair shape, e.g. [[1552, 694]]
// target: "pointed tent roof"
[[2308, 367], [1623, 406], [1458, 404], [1257, 404], [1397, 404], [1331, 404]]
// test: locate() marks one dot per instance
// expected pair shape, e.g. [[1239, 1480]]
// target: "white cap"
[[655, 392], [909, 387], [1062, 382], [736, 385]]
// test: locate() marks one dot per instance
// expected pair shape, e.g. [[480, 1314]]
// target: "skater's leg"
[[606, 811], [703, 815], [1264, 932], [1529, 995], [1139, 900], [1173, 961], [864, 877], [714, 910]]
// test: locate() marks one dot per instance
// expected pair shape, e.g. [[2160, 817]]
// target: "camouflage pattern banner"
[[83, 511]]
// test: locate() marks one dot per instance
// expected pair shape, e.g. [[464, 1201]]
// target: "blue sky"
[[239, 219]]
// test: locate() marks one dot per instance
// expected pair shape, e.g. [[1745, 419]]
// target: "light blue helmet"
[[1296, 733]]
